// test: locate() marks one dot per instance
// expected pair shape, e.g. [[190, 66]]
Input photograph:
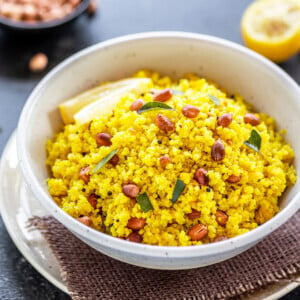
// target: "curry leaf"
[[154, 106], [177, 92], [104, 160], [178, 189], [144, 202], [214, 99], [254, 141]]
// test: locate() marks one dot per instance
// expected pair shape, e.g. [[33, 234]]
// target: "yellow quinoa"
[[263, 176]]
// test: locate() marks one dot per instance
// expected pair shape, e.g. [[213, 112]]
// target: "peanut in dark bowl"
[[43, 26]]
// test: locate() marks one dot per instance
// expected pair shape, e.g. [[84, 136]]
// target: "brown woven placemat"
[[90, 275]]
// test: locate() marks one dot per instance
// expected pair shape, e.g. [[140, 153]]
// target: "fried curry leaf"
[[154, 106], [104, 160], [177, 92], [144, 202], [214, 99], [254, 141], [178, 189]]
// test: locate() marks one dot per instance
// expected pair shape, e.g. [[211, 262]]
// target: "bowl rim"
[[32, 27], [106, 240]]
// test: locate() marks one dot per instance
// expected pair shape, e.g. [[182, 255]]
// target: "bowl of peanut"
[[36, 15]]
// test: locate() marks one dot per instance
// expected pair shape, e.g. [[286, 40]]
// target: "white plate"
[[17, 205]]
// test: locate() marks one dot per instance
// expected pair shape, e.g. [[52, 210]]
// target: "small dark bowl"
[[43, 26]]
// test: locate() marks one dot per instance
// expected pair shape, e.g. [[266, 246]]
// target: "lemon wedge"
[[109, 100], [102, 92], [272, 28]]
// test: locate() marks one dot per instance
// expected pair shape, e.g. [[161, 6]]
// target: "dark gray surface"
[[18, 280]]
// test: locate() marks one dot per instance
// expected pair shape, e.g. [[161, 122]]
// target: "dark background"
[[18, 280]]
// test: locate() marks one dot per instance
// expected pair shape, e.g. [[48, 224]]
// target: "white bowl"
[[234, 67]]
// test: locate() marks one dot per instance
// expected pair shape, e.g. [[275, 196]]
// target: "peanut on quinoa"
[[130, 190]]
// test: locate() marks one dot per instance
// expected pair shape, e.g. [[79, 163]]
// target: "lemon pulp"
[[272, 28], [98, 100]]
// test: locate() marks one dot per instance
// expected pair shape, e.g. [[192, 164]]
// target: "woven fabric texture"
[[90, 275]]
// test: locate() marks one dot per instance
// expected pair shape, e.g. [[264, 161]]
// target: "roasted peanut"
[[103, 139], [136, 223], [38, 62], [233, 179], [225, 120], [114, 160], [30, 12], [218, 151], [85, 220], [190, 111], [134, 237], [251, 119], [163, 95], [53, 14], [195, 214], [137, 104], [164, 123], [221, 217], [198, 232], [201, 176], [164, 161], [130, 190], [67, 8], [92, 198], [84, 174], [220, 238]]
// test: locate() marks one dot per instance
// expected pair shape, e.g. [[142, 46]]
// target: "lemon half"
[[108, 101], [85, 106], [272, 28]]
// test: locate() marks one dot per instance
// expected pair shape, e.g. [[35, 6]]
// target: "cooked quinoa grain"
[[228, 188]]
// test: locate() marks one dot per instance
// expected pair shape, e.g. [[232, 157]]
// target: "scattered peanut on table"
[[38, 62]]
